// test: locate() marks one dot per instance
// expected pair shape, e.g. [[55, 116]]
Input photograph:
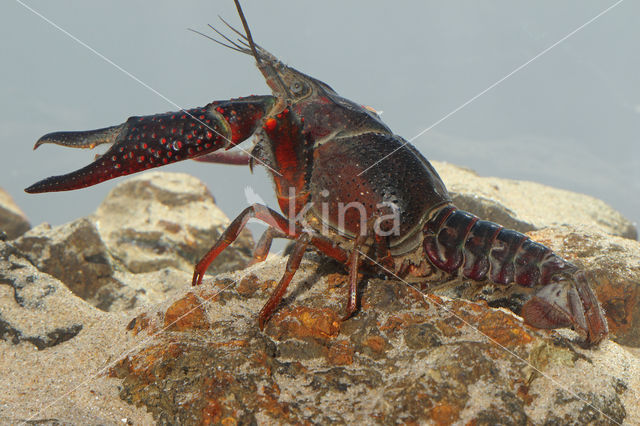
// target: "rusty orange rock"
[[139, 323], [141, 365], [504, 329], [619, 300], [336, 280], [211, 413], [444, 414], [248, 285], [397, 323], [186, 314], [341, 353], [303, 322], [376, 343]]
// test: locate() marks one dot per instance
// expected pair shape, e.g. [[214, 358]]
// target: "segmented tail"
[[457, 241]]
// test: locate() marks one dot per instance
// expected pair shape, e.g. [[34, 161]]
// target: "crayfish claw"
[[84, 139], [568, 302]]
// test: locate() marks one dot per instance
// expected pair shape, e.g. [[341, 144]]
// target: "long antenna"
[[246, 30]]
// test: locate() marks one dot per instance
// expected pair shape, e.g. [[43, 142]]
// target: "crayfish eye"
[[298, 88]]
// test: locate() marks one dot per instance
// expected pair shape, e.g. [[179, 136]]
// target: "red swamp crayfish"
[[327, 154]]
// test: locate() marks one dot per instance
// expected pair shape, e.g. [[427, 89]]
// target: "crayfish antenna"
[[233, 47], [252, 45]]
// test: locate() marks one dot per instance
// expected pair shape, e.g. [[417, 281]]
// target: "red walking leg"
[[258, 211], [354, 264], [264, 245], [292, 266]]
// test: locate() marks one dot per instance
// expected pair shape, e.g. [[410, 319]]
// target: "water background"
[[570, 119]]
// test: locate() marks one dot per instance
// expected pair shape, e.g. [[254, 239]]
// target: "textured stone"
[[527, 206], [187, 313], [26, 297], [54, 349], [158, 220], [420, 359], [126, 253], [75, 254], [13, 222], [196, 355]]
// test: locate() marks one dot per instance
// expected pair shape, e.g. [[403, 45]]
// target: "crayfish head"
[[288, 83], [568, 302]]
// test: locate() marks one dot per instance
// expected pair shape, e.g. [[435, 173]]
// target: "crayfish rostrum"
[[346, 185]]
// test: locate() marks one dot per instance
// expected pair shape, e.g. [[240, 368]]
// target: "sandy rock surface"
[[103, 336], [527, 206], [55, 348], [13, 221]]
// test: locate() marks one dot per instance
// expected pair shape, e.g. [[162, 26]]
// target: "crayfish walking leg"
[[280, 228]]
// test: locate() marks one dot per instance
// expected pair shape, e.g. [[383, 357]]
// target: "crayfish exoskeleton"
[[323, 152]]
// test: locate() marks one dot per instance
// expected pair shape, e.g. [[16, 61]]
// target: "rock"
[[405, 357], [76, 255], [148, 225], [157, 220], [13, 222], [180, 354], [54, 350], [527, 206]]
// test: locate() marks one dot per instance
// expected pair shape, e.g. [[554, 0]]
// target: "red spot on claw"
[[270, 124]]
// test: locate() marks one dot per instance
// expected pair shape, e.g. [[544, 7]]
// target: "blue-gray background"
[[570, 119]]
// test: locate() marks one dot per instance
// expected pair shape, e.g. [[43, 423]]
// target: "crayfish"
[[346, 185]]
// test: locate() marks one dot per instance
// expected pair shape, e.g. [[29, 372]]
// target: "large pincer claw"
[[138, 144], [568, 301], [155, 140]]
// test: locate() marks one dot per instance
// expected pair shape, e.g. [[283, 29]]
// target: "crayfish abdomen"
[[459, 243]]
